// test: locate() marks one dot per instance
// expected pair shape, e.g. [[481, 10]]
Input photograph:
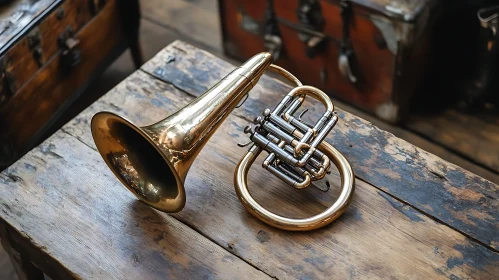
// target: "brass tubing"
[[153, 161], [314, 222]]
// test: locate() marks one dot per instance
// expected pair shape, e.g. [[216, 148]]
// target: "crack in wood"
[[438, 174], [78, 138]]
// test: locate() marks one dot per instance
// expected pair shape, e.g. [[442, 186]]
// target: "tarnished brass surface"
[[153, 161]]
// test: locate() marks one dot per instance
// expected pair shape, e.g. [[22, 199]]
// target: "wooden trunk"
[[384, 43], [48, 56]]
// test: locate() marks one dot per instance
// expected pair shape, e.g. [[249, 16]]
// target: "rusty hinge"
[[96, 5], [309, 14], [35, 45], [347, 55], [7, 81], [70, 52]]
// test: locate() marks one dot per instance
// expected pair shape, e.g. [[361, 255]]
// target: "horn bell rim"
[[100, 128]]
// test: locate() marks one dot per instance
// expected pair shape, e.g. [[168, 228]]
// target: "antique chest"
[[371, 53], [50, 50]]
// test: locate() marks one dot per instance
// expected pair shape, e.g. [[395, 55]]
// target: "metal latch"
[[272, 35], [346, 50], [35, 46], [70, 52], [315, 45], [309, 13]]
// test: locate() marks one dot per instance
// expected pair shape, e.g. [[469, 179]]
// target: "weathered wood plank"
[[444, 191], [377, 237], [94, 229], [473, 136]]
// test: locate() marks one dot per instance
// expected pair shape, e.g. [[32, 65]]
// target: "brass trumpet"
[[152, 161]]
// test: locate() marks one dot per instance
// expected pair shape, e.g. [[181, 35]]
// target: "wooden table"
[[413, 215]]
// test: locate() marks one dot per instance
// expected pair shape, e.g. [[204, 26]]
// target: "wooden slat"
[[95, 229], [444, 191], [377, 237], [473, 136], [425, 144]]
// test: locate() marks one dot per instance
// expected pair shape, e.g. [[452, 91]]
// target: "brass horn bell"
[[153, 161]]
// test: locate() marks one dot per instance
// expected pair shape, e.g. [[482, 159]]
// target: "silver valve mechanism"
[[291, 144]]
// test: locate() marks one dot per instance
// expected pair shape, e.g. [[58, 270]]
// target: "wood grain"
[[96, 229], [424, 143], [377, 237], [474, 136], [444, 191]]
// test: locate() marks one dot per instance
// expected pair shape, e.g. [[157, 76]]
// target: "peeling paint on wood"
[[472, 136]]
